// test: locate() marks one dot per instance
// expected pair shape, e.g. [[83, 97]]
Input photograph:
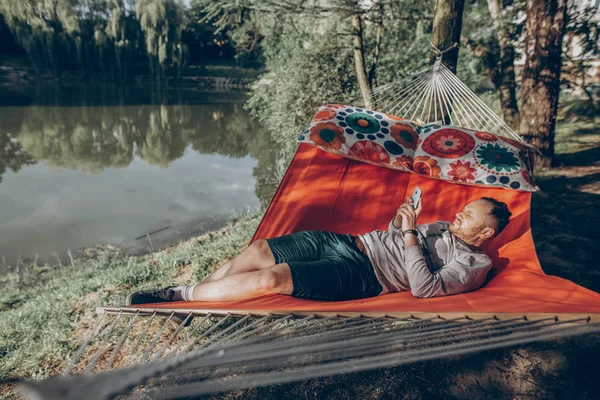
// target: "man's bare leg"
[[255, 257], [276, 279]]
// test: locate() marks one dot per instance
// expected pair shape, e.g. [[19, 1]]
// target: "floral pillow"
[[438, 151]]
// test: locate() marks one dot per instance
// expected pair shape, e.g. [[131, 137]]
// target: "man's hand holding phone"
[[407, 214]]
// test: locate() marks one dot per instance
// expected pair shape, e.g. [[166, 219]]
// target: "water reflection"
[[94, 139], [12, 155]]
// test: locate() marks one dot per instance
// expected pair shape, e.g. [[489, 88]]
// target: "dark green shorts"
[[326, 266]]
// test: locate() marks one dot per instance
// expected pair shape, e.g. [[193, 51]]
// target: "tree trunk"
[[447, 25], [505, 80], [545, 23], [359, 61]]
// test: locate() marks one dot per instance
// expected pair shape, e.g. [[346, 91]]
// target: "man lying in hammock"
[[436, 259]]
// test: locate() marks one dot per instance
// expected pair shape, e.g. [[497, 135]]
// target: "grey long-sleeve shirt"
[[451, 267]]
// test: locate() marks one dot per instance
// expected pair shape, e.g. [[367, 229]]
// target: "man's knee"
[[277, 279], [260, 250]]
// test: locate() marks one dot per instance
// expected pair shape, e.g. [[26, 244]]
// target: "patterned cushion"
[[439, 151]]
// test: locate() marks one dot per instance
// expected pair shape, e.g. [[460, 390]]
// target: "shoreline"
[[219, 78], [148, 243], [190, 231]]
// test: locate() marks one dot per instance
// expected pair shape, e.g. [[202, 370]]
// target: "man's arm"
[[461, 275]]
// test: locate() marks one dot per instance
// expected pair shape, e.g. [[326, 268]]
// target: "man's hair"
[[499, 212]]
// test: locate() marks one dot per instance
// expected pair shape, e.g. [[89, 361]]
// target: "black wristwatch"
[[413, 231]]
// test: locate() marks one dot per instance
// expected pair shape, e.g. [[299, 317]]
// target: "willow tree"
[[116, 30], [44, 29], [161, 21]]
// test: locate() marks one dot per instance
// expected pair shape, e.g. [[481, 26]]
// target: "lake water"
[[83, 167]]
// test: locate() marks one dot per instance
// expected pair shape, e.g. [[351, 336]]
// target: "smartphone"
[[416, 197]]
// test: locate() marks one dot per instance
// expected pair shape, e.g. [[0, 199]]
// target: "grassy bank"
[[44, 317], [40, 317]]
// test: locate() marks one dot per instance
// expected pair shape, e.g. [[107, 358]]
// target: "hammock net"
[[173, 350]]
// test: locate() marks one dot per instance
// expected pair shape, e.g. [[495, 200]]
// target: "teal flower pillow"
[[364, 135], [439, 151]]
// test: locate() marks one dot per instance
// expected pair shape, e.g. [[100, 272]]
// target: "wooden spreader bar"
[[181, 312]]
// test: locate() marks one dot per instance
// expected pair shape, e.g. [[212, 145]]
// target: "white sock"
[[185, 293]]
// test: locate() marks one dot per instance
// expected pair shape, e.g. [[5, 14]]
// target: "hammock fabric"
[[322, 191]]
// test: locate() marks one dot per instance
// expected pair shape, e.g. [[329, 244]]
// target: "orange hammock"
[[247, 342], [322, 191]]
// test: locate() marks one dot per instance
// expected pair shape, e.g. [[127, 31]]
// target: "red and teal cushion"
[[438, 151]]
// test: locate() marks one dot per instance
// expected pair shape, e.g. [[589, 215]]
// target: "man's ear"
[[487, 232]]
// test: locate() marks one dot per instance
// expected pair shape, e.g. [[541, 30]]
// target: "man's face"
[[471, 221]]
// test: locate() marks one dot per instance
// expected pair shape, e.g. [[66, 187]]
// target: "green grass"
[[39, 316]]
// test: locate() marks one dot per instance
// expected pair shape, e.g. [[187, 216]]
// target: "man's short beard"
[[459, 233]]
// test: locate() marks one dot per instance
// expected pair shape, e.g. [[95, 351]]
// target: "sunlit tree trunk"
[[359, 61], [545, 24], [447, 25]]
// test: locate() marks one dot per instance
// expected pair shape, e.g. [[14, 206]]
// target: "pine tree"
[[545, 24]]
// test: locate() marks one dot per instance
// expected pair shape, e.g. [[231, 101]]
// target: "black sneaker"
[[151, 296]]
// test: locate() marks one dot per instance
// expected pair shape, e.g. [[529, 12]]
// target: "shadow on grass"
[[564, 224], [581, 158]]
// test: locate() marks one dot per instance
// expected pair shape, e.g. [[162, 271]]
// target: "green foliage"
[[477, 27], [232, 25], [582, 23], [407, 28], [581, 30], [307, 67], [308, 53]]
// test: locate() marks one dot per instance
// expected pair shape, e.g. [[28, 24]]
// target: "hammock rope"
[[225, 352], [436, 95]]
